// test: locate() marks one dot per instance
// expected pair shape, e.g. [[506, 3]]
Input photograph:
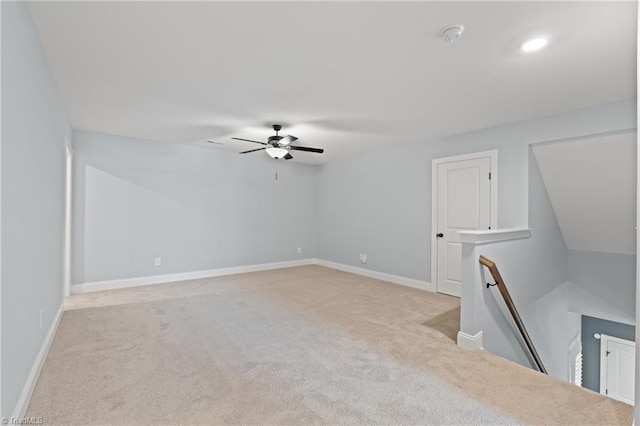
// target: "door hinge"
[[606, 391], [607, 353], [489, 175]]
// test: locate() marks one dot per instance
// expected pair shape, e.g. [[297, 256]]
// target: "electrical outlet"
[[363, 257], [157, 261], [299, 250], [41, 318]]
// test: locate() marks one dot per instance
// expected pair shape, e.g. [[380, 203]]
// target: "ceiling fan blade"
[[252, 150], [288, 156], [286, 140], [304, 148], [249, 140]]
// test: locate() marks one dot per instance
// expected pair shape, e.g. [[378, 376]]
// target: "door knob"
[[439, 235]]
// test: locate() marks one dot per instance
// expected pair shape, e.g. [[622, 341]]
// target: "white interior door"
[[463, 203], [617, 368]]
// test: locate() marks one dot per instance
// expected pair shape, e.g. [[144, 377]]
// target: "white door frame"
[[604, 340], [68, 206], [493, 214]]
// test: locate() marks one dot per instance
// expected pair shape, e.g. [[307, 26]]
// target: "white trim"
[[587, 136], [493, 219], [574, 374], [183, 276], [493, 236], [67, 226], [636, 406], [395, 279], [25, 397], [471, 342], [604, 340]]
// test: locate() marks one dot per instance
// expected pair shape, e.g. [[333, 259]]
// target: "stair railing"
[[499, 282]]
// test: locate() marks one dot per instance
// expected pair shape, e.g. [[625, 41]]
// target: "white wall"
[[34, 125], [197, 208], [535, 271], [379, 203]]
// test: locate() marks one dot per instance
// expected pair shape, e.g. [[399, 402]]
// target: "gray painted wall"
[[34, 125], [591, 346], [197, 208], [600, 284], [609, 277], [542, 296], [535, 270], [566, 284], [380, 203]]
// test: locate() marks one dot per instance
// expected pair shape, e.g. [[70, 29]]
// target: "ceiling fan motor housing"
[[273, 140]]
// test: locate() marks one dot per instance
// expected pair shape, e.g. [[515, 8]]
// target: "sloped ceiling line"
[[591, 182]]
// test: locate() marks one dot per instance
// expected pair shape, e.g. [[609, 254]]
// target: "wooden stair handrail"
[[491, 265]]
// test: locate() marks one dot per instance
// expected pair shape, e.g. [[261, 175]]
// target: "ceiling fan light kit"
[[277, 153], [279, 146]]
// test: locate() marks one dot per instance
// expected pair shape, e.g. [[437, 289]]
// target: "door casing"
[[67, 226]]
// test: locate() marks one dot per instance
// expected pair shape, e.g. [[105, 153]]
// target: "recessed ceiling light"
[[534, 44]]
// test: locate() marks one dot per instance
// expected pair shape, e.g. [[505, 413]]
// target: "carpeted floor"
[[306, 345]]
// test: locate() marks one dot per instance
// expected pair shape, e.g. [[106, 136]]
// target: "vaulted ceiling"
[[344, 76], [591, 183]]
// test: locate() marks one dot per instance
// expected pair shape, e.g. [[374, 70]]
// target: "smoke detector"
[[452, 32]]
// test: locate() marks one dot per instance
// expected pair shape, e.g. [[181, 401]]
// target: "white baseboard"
[[395, 279], [162, 279], [25, 397], [183, 276], [471, 342], [29, 386]]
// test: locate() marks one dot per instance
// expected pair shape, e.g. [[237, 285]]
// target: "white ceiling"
[[591, 183], [344, 76]]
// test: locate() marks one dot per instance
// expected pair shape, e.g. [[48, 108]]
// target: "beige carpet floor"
[[306, 345]]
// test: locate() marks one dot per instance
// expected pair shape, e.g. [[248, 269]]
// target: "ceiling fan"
[[279, 146]]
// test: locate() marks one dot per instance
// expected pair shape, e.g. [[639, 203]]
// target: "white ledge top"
[[493, 235]]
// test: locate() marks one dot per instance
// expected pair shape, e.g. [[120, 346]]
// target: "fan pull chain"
[[276, 170]]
